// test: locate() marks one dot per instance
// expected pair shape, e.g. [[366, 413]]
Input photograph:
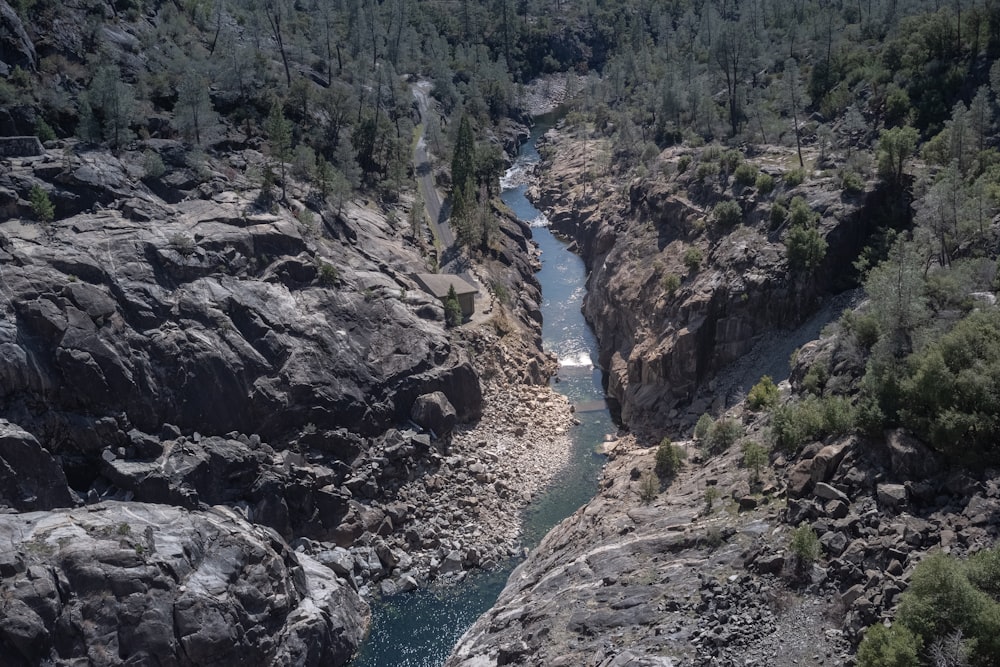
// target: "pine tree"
[[463, 169], [41, 205], [279, 133], [452, 308], [194, 108]]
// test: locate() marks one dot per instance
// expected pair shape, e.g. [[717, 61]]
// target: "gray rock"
[[452, 563], [172, 587], [435, 413], [30, 477], [891, 496], [833, 542], [911, 459], [772, 564], [827, 492], [824, 464]]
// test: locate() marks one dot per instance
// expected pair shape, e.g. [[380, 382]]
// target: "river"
[[419, 629]]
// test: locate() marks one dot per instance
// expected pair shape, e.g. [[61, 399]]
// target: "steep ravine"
[[702, 570], [662, 344]]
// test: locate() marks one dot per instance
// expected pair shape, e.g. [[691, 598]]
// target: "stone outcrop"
[[16, 47], [621, 582], [136, 583], [169, 349], [214, 318], [662, 342], [20, 147], [30, 477]]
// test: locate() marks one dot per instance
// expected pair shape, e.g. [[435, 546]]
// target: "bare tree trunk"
[[273, 12]]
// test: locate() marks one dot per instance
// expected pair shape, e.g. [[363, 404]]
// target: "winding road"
[[437, 210]]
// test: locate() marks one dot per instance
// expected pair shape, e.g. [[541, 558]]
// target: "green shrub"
[[806, 248], [800, 214], [948, 395], [795, 177], [727, 213], [501, 292], [889, 647], [683, 162], [794, 424], [702, 427], [452, 308], [723, 434], [711, 152], [764, 394], [804, 545], [706, 170], [328, 275], [692, 258], [152, 165], [863, 326], [44, 131], [730, 160], [764, 183], [649, 487], [942, 599], [712, 494], [947, 601], [755, 457], [670, 282], [746, 174], [669, 459], [851, 182], [778, 215], [816, 377], [41, 205]]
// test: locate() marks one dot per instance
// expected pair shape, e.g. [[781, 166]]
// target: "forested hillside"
[[724, 166]]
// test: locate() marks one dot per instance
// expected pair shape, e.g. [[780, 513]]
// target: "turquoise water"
[[419, 629]]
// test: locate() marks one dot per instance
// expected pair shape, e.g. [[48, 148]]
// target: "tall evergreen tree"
[[463, 169], [279, 134]]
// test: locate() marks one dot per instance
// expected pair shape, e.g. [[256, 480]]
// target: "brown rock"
[[800, 479], [911, 459]]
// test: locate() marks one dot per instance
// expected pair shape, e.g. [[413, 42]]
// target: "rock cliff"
[[675, 295], [168, 345]]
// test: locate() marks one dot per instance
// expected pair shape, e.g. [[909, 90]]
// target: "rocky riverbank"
[[625, 582], [464, 509]]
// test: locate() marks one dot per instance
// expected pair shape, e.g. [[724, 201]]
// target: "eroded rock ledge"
[[137, 583], [667, 323]]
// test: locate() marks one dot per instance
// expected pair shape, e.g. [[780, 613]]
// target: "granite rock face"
[[30, 477], [205, 315], [215, 381], [674, 296], [136, 583]]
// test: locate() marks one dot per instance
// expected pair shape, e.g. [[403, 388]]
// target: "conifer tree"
[[279, 133], [463, 169]]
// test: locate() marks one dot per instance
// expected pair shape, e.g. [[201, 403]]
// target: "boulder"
[[152, 584], [435, 413], [910, 458], [800, 479], [827, 492], [891, 496], [15, 44], [825, 463], [772, 564], [833, 542], [30, 477]]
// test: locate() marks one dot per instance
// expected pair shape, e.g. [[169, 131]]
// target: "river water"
[[419, 629]]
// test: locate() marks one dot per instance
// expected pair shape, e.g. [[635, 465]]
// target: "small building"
[[438, 284]]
